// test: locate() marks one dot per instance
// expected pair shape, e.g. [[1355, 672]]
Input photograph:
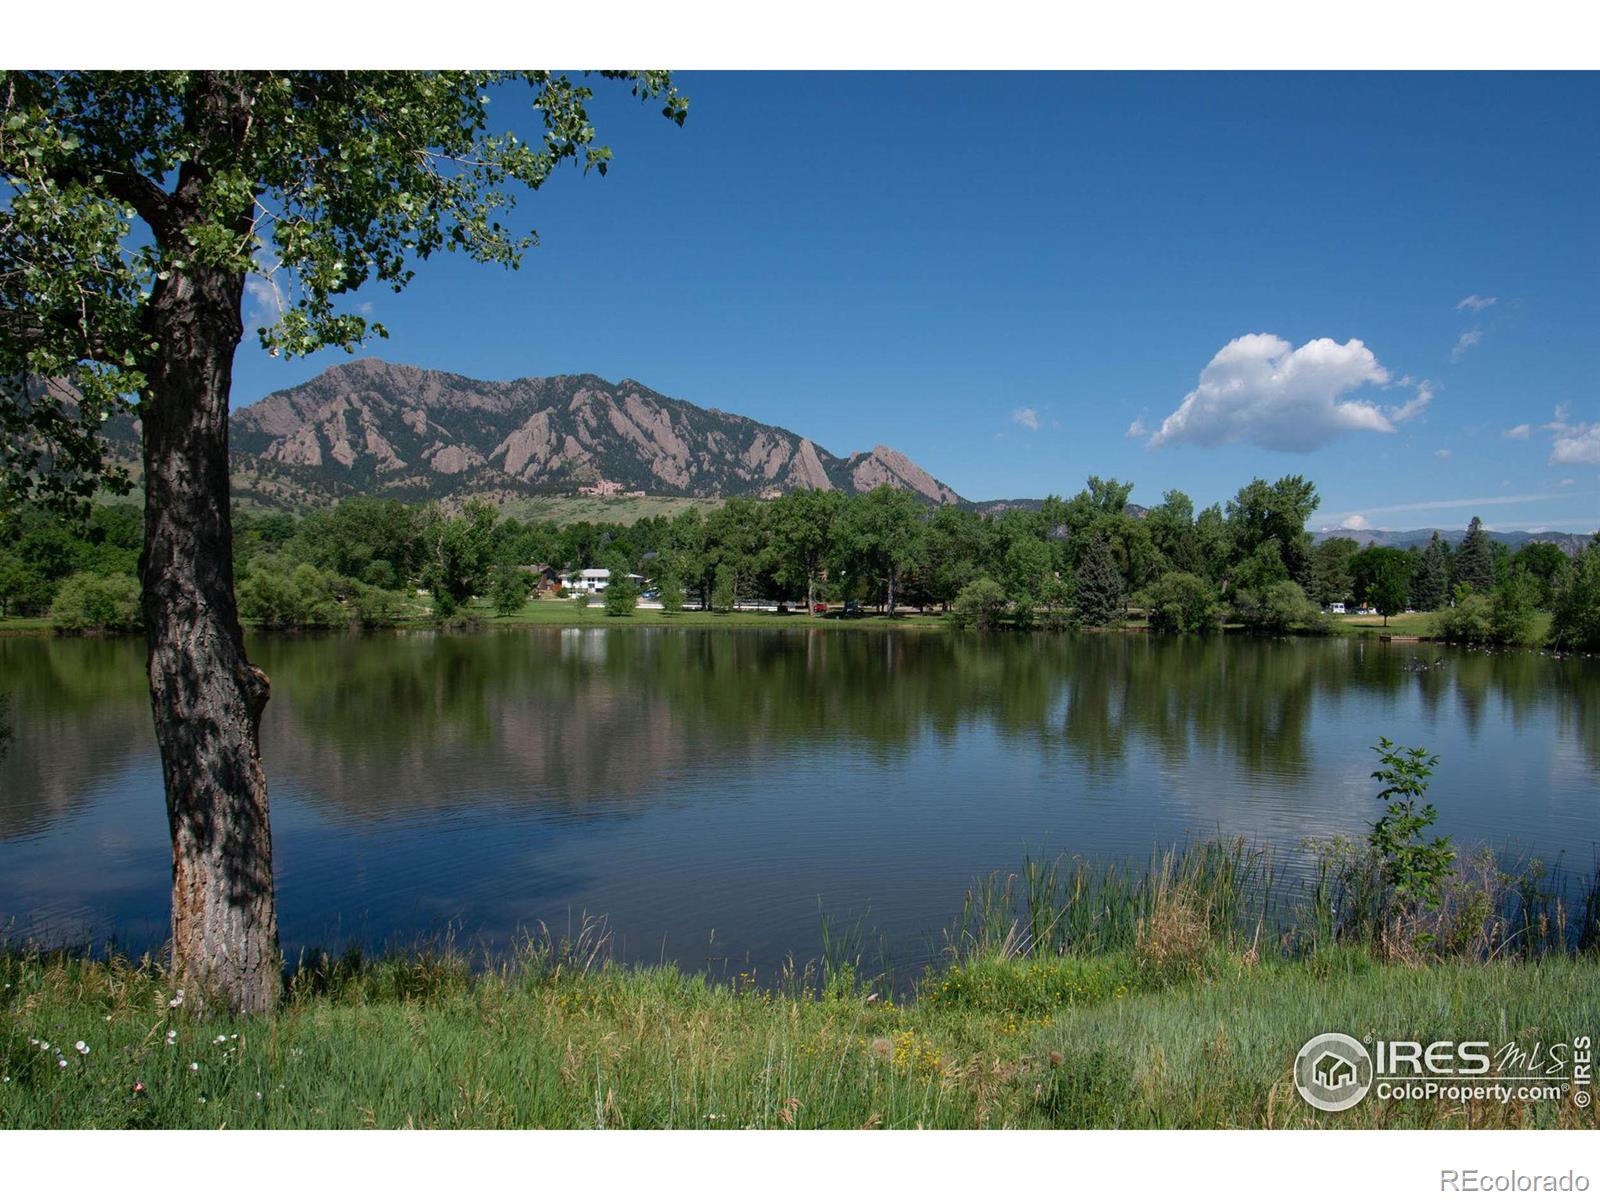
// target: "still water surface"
[[712, 792]]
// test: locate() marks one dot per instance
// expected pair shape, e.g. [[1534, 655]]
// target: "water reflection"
[[669, 776]]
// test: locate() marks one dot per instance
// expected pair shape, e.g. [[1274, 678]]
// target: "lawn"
[[567, 612], [1417, 625]]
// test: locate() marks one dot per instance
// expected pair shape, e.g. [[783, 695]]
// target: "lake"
[[714, 792]]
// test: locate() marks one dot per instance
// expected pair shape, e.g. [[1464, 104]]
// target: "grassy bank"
[[1070, 997], [1420, 625], [1095, 1041]]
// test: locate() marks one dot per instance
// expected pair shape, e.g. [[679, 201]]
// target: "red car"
[[819, 607]]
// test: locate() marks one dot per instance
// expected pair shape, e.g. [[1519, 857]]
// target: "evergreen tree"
[[1100, 587], [1475, 559], [1430, 588]]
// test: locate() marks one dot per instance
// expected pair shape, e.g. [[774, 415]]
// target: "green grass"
[[1067, 1042], [1418, 625], [25, 625], [566, 612]]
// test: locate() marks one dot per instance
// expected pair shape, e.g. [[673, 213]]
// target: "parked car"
[[819, 607]]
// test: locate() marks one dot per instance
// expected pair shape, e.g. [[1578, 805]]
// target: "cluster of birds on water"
[[1417, 664]]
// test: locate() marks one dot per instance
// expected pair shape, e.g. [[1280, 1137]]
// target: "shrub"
[[1414, 867], [671, 595], [1468, 622], [87, 603], [1285, 608], [581, 599], [277, 596], [1183, 603], [376, 608], [508, 589], [621, 595], [979, 605]]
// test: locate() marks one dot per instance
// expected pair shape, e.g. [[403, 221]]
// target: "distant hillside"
[[385, 429], [1404, 539]]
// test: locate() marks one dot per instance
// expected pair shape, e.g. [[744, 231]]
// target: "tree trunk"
[[893, 579], [206, 696]]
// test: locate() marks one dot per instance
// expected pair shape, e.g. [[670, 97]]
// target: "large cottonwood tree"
[[135, 206]]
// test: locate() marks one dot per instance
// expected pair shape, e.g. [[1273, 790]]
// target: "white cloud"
[[1137, 428], [1575, 445], [1414, 406], [1441, 453], [1259, 389], [1026, 417], [1519, 432], [1568, 482], [1578, 445], [1475, 303], [1465, 342], [1354, 521]]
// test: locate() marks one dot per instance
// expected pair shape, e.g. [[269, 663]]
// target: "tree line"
[[1085, 560]]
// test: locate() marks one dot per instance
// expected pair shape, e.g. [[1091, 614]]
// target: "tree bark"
[[206, 696]]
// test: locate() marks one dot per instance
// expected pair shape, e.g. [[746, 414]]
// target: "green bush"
[[86, 603], [979, 605], [1183, 603], [621, 596], [376, 608], [671, 595], [508, 589], [1467, 622], [1287, 609], [581, 599]]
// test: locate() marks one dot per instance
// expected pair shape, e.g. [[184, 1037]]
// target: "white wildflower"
[[176, 1000], [81, 1047], [61, 1062], [194, 1066], [172, 1036]]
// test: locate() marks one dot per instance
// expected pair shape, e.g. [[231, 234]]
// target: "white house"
[[593, 579]]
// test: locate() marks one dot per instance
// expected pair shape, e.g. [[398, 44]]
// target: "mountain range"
[[378, 428], [1405, 539], [386, 429]]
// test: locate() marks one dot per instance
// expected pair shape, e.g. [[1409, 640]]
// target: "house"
[[594, 579], [545, 577]]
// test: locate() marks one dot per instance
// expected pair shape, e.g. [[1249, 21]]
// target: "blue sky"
[[1019, 280]]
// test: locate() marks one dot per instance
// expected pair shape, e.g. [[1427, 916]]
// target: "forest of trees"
[[1087, 560]]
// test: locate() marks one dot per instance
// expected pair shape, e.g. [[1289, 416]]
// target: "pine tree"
[[1431, 587], [1475, 559], [1100, 588]]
